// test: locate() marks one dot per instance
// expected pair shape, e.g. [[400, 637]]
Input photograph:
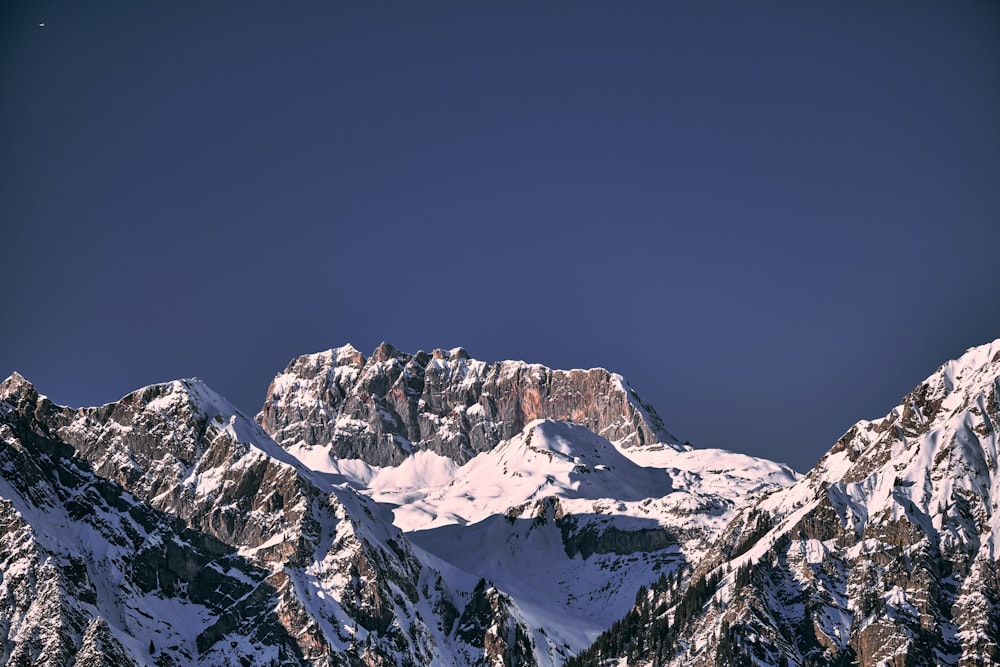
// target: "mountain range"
[[433, 509]]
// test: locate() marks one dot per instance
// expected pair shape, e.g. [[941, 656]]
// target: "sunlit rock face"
[[383, 408]]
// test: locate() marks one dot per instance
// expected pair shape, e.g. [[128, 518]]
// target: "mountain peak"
[[977, 363], [384, 408], [15, 382], [961, 390], [345, 355], [978, 356], [18, 391], [453, 354], [384, 352], [185, 391]]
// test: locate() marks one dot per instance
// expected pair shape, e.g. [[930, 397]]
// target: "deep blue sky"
[[773, 218]]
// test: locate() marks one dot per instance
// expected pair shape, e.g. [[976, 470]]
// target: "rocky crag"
[[383, 408]]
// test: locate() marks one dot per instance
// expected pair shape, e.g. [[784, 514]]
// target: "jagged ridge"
[[383, 408]]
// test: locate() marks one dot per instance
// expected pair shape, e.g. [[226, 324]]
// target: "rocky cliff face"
[[884, 554], [384, 408], [168, 529]]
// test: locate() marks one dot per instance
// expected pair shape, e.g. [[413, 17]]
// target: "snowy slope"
[[564, 521], [588, 474], [548, 458]]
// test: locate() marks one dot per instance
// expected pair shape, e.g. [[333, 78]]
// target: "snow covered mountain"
[[169, 529], [431, 509], [884, 554]]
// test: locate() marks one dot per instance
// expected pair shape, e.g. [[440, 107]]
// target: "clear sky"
[[773, 218]]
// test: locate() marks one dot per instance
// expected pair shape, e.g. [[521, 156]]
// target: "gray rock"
[[381, 409]]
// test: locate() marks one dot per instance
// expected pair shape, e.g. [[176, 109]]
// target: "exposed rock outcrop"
[[485, 624], [382, 408]]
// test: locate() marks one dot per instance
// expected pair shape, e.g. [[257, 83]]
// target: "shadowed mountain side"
[[576, 561]]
